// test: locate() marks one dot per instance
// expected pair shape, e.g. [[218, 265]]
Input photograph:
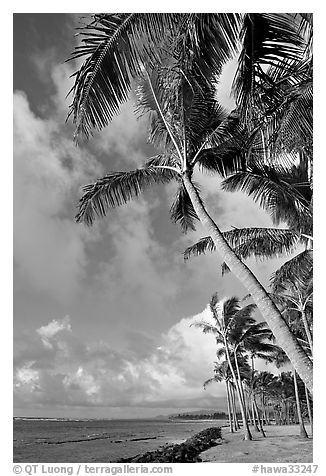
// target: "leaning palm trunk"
[[229, 406], [303, 432], [309, 409], [246, 430], [307, 330], [273, 317], [240, 381], [250, 420], [258, 417], [254, 417]]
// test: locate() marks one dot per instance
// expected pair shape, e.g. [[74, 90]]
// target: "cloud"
[[49, 248], [96, 375], [124, 141], [52, 329], [28, 377], [225, 82]]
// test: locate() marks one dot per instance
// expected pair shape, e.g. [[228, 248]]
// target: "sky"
[[102, 315]]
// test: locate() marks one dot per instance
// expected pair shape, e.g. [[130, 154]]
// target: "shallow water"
[[85, 441]]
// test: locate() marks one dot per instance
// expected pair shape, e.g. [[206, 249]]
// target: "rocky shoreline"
[[186, 452]]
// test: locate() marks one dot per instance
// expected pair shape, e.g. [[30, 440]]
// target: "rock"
[[187, 452]]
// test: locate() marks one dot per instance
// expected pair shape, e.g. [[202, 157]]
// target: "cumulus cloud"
[[27, 377], [50, 330], [49, 248], [124, 141], [97, 375]]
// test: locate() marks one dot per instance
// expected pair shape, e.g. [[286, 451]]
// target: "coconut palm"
[[303, 432], [186, 121], [222, 372], [116, 46], [185, 141], [279, 176], [308, 404], [274, 96], [252, 340], [296, 302], [263, 381], [287, 200], [224, 314], [280, 360], [247, 337]]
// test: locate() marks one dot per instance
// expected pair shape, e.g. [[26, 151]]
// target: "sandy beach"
[[281, 445]]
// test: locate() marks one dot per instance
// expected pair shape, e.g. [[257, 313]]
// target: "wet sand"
[[281, 445]]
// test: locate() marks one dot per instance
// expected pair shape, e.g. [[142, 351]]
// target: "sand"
[[281, 445]]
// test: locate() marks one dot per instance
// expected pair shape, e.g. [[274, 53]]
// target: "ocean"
[[97, 441]]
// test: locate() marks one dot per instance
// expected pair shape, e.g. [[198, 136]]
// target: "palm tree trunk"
[[253, 395], [248, 409], [258, 417], [295, 413], [273, 317], [287, 407], [307, 330], [303, 432], [254, 419], [240, 381], [309, 409], [229, 406], [234, 410], [264, 409], [246, 430]]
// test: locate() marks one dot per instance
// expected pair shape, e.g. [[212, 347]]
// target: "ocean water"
[[101, 441]]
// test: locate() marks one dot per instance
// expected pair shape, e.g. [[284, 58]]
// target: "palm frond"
[[297, 269], [146, 104], [295, 126], [267, 39], [117, 188], [238, 318], [206, 327], [211, 38], [223, 159], [262, 243], [282, 200], [246, 242], [221, 352], [227, 148], [209, 381], [202, 115], [115, 46], [182, 210], [201, 247]]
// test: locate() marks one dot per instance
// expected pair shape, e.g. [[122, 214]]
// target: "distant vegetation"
[[200, 416]]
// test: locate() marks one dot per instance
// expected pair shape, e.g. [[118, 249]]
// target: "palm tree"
[[263, 381], [280, 198], [281, 359], [309, 409], [222, 372], [303, 432], [115, 47], [247, 337], [296, 298], [224, 314], [186, 120]]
